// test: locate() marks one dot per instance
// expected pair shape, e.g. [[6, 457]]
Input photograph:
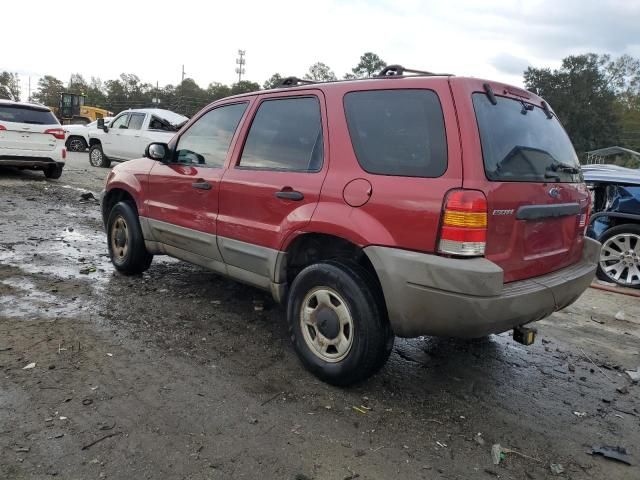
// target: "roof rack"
[[399, 70], [294, 82]]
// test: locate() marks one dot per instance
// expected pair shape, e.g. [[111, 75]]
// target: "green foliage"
[[370, 64], [320, 72], [583, 94], [273, 82], [48, 91], [9, 86], [244, 86]]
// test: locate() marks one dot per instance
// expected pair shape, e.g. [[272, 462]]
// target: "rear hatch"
[[537, 201], [23, 127]]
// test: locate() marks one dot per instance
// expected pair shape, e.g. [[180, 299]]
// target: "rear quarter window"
[[397, 132], [26, 114]]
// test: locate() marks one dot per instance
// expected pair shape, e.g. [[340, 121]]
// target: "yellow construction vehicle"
[[72, 110]]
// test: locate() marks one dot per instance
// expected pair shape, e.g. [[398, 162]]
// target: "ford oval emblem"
[[554, 192]]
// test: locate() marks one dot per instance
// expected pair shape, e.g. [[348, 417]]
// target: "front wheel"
[[338, 322], [126, 243], [97, 158], [620, 256]]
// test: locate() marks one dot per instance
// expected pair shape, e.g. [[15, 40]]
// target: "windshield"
[[26, 114], [520, 144]]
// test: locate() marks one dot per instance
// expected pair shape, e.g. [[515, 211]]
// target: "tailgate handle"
[[535, 212]]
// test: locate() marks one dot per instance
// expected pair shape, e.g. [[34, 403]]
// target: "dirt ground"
[[179, 373]]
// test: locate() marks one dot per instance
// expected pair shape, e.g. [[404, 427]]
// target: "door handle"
[[288, 194], [202, 185]]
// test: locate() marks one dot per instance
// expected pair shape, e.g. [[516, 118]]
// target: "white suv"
[[31, 137]]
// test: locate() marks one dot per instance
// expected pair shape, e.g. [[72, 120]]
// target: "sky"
[[495, 39]]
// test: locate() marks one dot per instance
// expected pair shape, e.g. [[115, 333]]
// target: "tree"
[[95, 96], [244, 86], [49, 90], [274, 81], [9, 86], [216, 91], [77, 84], [319, 72], [582, 93], [369, 65]]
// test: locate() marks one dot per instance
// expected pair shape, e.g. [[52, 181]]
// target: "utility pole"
[[183, 74], [241, 63], [29, 96]]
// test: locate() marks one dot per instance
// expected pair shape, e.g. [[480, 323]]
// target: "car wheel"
[[76, 144], [53, 172], [126, 243], [338, 322], [97, 158], [620, 256]]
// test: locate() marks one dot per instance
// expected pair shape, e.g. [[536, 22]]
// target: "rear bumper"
[[432, 295], [28, 161]]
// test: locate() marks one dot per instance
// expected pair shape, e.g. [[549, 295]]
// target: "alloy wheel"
[[620, 259]]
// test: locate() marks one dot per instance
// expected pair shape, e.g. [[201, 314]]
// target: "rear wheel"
[[338, 322], [53, 172], [126, 243], [97, 158], [76, 144], [620, 256]]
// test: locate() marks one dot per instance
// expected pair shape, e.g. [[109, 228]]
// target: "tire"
[[53, 172], [97, 158], [125, 241], [364, 341], [76, 144], [621, 249]]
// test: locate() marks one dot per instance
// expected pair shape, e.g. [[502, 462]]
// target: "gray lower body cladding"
[[431, 295]]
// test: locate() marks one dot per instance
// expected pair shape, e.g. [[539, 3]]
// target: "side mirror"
[[102, 125], [156, 151]]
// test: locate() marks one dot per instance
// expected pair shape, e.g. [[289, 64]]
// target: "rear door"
[[22, 127], [519, 155], [182, 199], [272, 187]]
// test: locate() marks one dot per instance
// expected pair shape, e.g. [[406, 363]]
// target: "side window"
[[286, 134], [397, 132], [135, 121], [207, 141], [120, 122]]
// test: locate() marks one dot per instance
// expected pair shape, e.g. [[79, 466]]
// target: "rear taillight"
[[56, 132], [2, 127], [464, 224], [583, 219], [64, 153]]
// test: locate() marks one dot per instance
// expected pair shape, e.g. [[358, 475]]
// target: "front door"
[[111, 140], [182, 203], [273, 185], [132, 143]]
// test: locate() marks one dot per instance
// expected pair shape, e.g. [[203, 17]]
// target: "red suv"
[[399, 205]]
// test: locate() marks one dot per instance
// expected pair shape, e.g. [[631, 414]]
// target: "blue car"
[[615, 221]]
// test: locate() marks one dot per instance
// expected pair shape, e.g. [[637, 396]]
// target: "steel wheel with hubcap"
[[126, 243], [119, 240], [326, 324], [338, 321], [620, 258]]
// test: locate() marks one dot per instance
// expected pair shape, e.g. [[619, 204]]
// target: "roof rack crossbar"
[[398, 70], [294, 81]]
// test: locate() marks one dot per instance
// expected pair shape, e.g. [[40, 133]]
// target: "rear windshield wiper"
[[561, 167]]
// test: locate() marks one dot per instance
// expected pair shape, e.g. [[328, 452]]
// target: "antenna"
[[241, 62]]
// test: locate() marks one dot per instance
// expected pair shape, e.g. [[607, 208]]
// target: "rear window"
[[25, 114], [520, 144], [397, 132]]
